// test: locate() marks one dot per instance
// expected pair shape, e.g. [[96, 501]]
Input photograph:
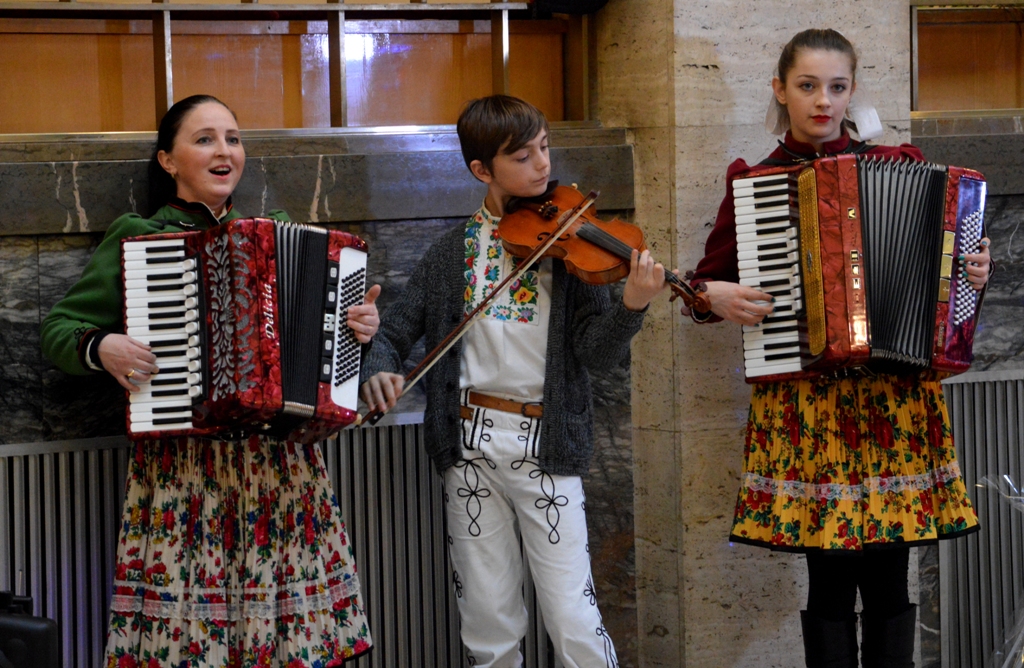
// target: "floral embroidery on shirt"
[[487, 264]]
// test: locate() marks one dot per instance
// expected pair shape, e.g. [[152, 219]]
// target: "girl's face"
[[816, 93], [207, 158]]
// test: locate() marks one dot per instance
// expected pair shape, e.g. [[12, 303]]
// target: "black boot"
[[889, 643], [829, 644]]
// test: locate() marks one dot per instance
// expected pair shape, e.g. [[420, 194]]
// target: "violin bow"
[[414, 376]]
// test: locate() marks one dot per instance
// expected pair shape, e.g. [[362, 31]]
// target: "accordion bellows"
[[861, 255], [247, 320]]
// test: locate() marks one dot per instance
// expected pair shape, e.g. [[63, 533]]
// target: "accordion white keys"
[[860, 254], [247, 321]]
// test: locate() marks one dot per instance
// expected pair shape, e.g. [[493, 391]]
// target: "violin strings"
[[612, 244]]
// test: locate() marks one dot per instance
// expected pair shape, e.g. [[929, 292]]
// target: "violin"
[[553, 226], [595, 251]]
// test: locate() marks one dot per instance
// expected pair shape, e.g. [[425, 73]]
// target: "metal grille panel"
[[982, 575]]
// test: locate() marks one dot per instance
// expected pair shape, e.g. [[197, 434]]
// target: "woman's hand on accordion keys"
[[738, 303], [363, 318], [130, 362], [976, 267]]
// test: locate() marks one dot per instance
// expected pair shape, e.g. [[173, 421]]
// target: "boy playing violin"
[[509, 417]]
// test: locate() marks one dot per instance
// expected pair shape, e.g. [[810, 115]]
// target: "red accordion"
[[247, 321], [860, 255]]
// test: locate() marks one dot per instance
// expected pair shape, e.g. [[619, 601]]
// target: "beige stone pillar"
[[691, 81]]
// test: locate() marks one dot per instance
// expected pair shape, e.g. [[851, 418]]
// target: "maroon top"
[[719, 261]]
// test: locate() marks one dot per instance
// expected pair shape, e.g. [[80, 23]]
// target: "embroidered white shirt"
[[504, 353]]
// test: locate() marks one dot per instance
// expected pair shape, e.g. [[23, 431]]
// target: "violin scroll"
[[695, 298]]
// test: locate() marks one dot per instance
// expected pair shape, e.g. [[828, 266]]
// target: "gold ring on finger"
[[130, 374]]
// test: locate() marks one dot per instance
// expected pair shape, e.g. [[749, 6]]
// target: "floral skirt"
[[848, 464], [233, 554]]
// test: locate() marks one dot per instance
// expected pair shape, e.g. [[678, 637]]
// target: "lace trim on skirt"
[[152, 601], [846, 492]]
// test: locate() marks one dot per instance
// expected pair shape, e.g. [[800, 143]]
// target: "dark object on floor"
[[26, 641]]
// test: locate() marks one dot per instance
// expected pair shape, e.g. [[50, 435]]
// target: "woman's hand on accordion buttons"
[[382, 391], [363, 318], [738, 303], [977, 266], [129, 361]]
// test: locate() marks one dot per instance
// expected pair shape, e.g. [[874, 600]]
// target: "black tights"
[[881, 576]]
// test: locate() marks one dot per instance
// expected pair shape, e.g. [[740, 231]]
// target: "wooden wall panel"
[[76, 83], [419, 79], [259, 76], [95, 76], [969, 66], [536, 73]]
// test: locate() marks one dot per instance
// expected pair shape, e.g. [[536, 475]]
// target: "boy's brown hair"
[[486, 124]]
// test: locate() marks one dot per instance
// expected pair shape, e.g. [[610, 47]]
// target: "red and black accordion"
[[860, 253], [247, 321]]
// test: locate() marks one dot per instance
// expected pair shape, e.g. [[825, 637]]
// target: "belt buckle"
[[522, 408]]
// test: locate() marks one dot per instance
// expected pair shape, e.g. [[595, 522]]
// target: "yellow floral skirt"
[[850, 463]]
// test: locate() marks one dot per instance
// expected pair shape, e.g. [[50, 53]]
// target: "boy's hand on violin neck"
[[646, 279], [382, 391], [738, 303]]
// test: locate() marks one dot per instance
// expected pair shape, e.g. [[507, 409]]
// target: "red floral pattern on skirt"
[[233, 554], [841, 464]]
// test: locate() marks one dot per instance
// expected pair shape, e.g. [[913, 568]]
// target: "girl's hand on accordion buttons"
[[363, 318], [129, 361], [977, 266], [739, 303], [382, 391]]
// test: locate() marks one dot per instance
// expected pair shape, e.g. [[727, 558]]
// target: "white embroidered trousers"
[[497, 484]]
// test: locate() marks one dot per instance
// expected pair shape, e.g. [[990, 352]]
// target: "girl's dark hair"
[[487, 123], [824, 40], [161, 186]]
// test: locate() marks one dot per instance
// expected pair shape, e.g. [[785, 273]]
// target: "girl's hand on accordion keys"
[[738, 303], [976, 267], [130, 362], [363, 318]]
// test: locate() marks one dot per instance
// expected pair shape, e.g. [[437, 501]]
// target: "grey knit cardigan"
[[585, 330]]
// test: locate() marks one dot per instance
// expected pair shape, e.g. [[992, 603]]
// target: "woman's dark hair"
[[824, 40], [487, 123], [161, 186]]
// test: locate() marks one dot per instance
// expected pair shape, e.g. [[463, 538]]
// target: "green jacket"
[[94, 305]]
